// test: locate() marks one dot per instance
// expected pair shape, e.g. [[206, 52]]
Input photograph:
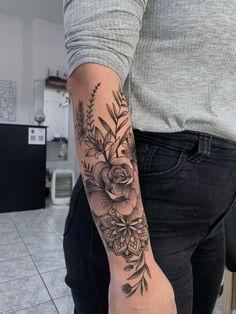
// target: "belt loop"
[[204, 148]]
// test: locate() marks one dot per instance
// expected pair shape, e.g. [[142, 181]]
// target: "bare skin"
[[108, 164]]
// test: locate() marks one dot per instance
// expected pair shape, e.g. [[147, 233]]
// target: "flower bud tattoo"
[[111, 182]]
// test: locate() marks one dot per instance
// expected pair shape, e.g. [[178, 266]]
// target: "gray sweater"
[[176, 58]]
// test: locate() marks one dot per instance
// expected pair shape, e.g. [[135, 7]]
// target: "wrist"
[[118, 264]]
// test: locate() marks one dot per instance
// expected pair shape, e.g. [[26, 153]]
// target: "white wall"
[[53, 101], [48, 49], [27, 49], [11, 46]]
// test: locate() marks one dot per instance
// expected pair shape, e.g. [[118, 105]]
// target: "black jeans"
[[188, 185]]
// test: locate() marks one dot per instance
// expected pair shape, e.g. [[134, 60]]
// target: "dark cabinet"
[[22, 167]]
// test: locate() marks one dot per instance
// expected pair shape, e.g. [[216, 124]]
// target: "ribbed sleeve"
[[102, 31]]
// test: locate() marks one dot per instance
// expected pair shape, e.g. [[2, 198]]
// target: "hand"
[[159, 299]]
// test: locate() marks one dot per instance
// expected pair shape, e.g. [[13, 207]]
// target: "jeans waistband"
[[199, 143]]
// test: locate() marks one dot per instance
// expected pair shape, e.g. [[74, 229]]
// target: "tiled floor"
[[32, 267]]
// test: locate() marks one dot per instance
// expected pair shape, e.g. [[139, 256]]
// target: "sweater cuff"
[[95, 56]]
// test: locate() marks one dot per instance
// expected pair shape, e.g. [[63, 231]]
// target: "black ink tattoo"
[[111, 185]]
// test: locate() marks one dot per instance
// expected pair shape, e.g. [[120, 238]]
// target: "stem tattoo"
[[111, 184]]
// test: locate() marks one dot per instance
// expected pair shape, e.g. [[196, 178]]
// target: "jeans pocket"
[[73, 201], [159, 160]]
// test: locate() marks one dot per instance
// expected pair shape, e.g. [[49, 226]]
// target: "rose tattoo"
[[114, 186]]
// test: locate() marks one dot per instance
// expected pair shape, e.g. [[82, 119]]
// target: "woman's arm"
[[109, 171], [106, 151], [101, 37]]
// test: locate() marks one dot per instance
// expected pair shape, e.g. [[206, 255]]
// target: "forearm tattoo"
[[111, 183]]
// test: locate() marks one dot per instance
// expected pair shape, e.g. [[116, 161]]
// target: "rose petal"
[[117, 188], [126, 191], [100, 202], [135, 179], [118, 174], [122, 160], [104, 176], [139, 205], [126, 207], [100, 166], [116, 198], [128, 170], [131, 179]]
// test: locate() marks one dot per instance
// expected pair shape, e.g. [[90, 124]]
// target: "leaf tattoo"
[[112, 174], [81, 122]]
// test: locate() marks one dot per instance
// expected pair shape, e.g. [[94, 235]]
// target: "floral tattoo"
[[111, 181]]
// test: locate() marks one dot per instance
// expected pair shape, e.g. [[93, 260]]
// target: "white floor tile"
[[17, 268], [9, 233], [5, 218], [13, 250], [47, 261], [55, 282], [44, 308], [21, 293], [65, 305], [44, 242]]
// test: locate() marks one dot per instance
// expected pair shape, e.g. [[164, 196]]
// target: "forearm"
[[109, 171]]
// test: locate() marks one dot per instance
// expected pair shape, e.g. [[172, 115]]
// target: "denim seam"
[[213, 136], [175, 169], [151, 158], [157, 143], [145, 163]]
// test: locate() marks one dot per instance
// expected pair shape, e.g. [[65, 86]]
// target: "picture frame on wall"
[[7, 100]]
